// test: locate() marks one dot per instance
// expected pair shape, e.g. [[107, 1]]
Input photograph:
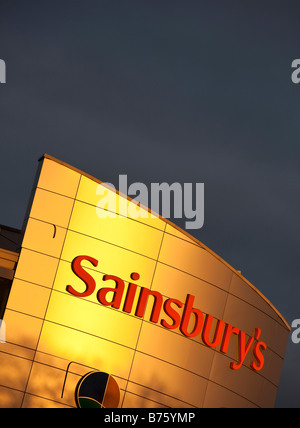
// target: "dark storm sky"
[[187, 91]]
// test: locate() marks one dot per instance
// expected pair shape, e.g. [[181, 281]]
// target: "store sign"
[[191, 322]]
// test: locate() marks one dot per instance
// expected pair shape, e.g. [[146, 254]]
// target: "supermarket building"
[[126, 312]]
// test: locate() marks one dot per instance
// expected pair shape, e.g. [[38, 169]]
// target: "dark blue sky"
[[169, 91]]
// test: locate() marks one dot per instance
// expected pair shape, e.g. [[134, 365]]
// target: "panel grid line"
[[143, 318], [29, 375]]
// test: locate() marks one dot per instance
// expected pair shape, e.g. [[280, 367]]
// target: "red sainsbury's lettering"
[[84, 276], [170, 313]]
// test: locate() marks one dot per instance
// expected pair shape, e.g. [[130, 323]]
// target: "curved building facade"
[[107, 309]]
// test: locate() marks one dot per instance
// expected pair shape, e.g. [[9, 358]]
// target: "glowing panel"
[[210, 299], [93, 319], [44, 237], [10, 398], [120, 231], [170, 380], [22, 329], [85, 349], [197, 261], [168, 347], [29, 298], [45, 205], [56, 178], [14, 371], [37, 268]]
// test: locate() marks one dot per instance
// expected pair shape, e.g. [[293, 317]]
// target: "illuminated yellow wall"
[[54, 338]]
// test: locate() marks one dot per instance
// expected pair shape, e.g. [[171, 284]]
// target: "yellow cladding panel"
[[28, 298], [168, 379], [14, 372], [10, 398], [36, 267], [112, 260], [119, 231], [85, 349], [177, 284], [105, 199], [135, 401], [245, 382], [33, 402], [17, 350], [47, 382], [175, 348], [43, 237], [58, 178], [194, 260], [51, 208], [53, 361], [93, 318], [218, 397], [140, 396], [21, 329]]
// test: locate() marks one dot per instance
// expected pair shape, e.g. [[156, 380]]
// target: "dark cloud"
[[167, 91]]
